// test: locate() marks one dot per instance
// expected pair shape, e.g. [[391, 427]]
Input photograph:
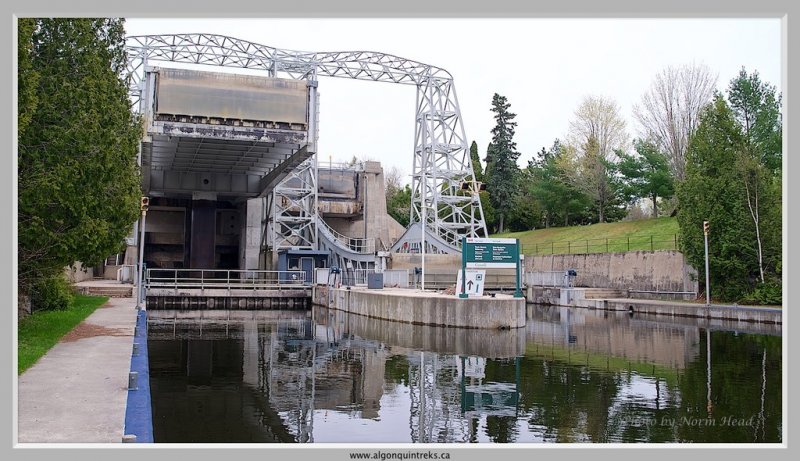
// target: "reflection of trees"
[[566, 403], [747, 365]]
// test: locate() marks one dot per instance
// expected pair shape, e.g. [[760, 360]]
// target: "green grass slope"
[[644, 234]]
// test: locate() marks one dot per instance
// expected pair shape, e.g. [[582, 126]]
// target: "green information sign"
[[493, 253], [488, 253]]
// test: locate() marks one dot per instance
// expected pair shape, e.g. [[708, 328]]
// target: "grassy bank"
[[602, 362], [644, 234], [41, 331]]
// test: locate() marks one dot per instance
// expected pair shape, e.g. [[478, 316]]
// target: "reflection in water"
[[571, 375]]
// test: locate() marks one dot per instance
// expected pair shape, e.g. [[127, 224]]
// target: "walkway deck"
[[78, 391]]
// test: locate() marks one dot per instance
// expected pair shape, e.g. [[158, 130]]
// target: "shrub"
[[51, 293], [769, 292]]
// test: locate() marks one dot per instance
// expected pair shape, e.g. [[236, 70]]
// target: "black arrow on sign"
[[469, 285]]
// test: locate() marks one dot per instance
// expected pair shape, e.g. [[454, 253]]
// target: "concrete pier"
[[426, 308]]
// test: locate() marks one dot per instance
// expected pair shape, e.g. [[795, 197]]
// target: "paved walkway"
[[78, 391]]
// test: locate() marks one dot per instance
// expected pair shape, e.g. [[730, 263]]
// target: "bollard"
[[135, 349], [129, 438], [133, 381]]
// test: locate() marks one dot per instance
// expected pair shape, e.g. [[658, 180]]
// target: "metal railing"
[[604, 245], [126, 273], [355, 277], [444, 280], [207, 279], [356, 245]]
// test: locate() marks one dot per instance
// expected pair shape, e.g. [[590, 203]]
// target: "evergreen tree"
[[477, 168], [714, 190], [398, 204], [78, 176], [28, 78], [646, 175], [758, 110], [550, 187], [502, 170]]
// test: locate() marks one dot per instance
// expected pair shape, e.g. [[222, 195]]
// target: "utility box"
[[375, 281], [569, 278]]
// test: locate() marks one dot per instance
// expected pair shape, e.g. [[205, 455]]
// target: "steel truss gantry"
[[444, 190]]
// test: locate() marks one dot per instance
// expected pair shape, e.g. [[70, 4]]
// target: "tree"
[[646, 175], [555, 185], [398, 204], [489, 214], [597, 130], [393, 181], [757, 108], [78, 176], [501, 160], [28, 78], [598, 120], [670, 110], [721, 174], [477, 168]]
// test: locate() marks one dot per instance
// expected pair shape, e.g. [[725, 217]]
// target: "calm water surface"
[[571, 375]]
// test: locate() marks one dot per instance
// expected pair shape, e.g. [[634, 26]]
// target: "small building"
[[301, 260]]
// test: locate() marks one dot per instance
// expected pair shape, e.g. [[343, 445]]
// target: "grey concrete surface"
[[426, 308], [660, 270], [77, 392]]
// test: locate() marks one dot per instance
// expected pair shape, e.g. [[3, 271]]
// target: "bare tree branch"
[[670, 110], [599, 119]]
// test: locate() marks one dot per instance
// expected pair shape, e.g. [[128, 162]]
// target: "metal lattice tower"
[[444, 189]]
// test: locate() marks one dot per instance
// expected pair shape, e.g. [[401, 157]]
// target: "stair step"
[[603, 293], [113, 292]]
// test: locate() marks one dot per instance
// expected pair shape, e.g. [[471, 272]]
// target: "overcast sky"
[[545, 67]]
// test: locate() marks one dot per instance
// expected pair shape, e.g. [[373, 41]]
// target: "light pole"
[[708, 286], [139, 289]]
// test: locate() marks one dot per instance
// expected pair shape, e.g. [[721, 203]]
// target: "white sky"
[[545, 67]]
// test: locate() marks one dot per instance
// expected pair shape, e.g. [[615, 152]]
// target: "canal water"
[[571, 375]]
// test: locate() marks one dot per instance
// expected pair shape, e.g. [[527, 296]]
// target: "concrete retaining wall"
[[420, 308], [577, 297], [633, 270], [737, 313], [78, 273]]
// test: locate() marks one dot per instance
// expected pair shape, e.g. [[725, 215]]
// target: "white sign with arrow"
[[475, 281]]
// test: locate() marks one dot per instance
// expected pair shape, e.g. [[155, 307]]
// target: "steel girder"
[[442, 164]]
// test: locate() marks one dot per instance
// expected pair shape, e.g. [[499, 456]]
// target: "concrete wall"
[[250, 234], [438, 263], [380, 225], [418, 308], [78, 273], [366, 217], [634, 270]]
